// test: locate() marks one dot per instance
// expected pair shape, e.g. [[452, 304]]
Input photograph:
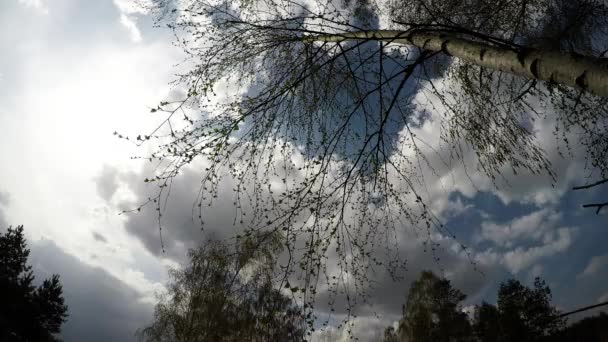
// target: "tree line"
[[225, 293], [433, 312]]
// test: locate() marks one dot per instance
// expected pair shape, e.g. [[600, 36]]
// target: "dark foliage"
[[590, 329], [27, 312], [433, 313], [226, 295], [521, 314]]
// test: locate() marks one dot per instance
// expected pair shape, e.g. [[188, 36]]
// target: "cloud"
[[444, 174], [4, 202], [181, 230], [596, 264], [521, 242], [107, 182], [133, 7], [370, 329], [39, 5], [4, 198], [130, 23], [101, 307], [528, 227], [129, 10], [181, 225], [386, 294], [106, 308], [536, 271], [75, 77], [521, 258], [99, 237]]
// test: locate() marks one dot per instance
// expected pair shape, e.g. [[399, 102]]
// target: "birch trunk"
[[582, 72]]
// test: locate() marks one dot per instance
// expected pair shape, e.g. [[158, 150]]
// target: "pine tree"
[[27, 312]]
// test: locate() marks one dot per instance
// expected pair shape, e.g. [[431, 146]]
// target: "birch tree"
[[311, 108], [225, 294]]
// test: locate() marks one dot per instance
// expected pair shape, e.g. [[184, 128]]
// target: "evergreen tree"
[[27, 312]]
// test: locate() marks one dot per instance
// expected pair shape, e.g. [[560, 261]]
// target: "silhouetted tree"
[[226, 295], [27, 312], [432, 313], [521, 314], [589, 329], [486, 325]]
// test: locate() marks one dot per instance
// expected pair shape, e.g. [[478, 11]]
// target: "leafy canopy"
[[432, 312], [226, 294], [333, 142]]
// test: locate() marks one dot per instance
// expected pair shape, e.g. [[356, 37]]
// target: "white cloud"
[[130, 23], [523, 241], [369, 329], [39, 5], [457, 207], [596, 264], [68, 93], [129, 10], [133, 7], [529, 227], [521, 258]]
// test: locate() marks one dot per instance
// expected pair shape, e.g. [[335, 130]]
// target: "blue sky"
[[72, 72]]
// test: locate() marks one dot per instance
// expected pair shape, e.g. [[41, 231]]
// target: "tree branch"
[[583, 309], [590, 185], [598, 205]]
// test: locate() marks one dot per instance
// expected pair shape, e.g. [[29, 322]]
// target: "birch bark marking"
[[582, 72]]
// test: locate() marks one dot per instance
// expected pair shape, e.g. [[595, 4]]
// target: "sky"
[[72, 72]]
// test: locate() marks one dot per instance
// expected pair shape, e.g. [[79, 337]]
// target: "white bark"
[[582, 72]]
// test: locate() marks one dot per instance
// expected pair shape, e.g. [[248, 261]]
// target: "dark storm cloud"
[[181, 228], [100, 306]]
